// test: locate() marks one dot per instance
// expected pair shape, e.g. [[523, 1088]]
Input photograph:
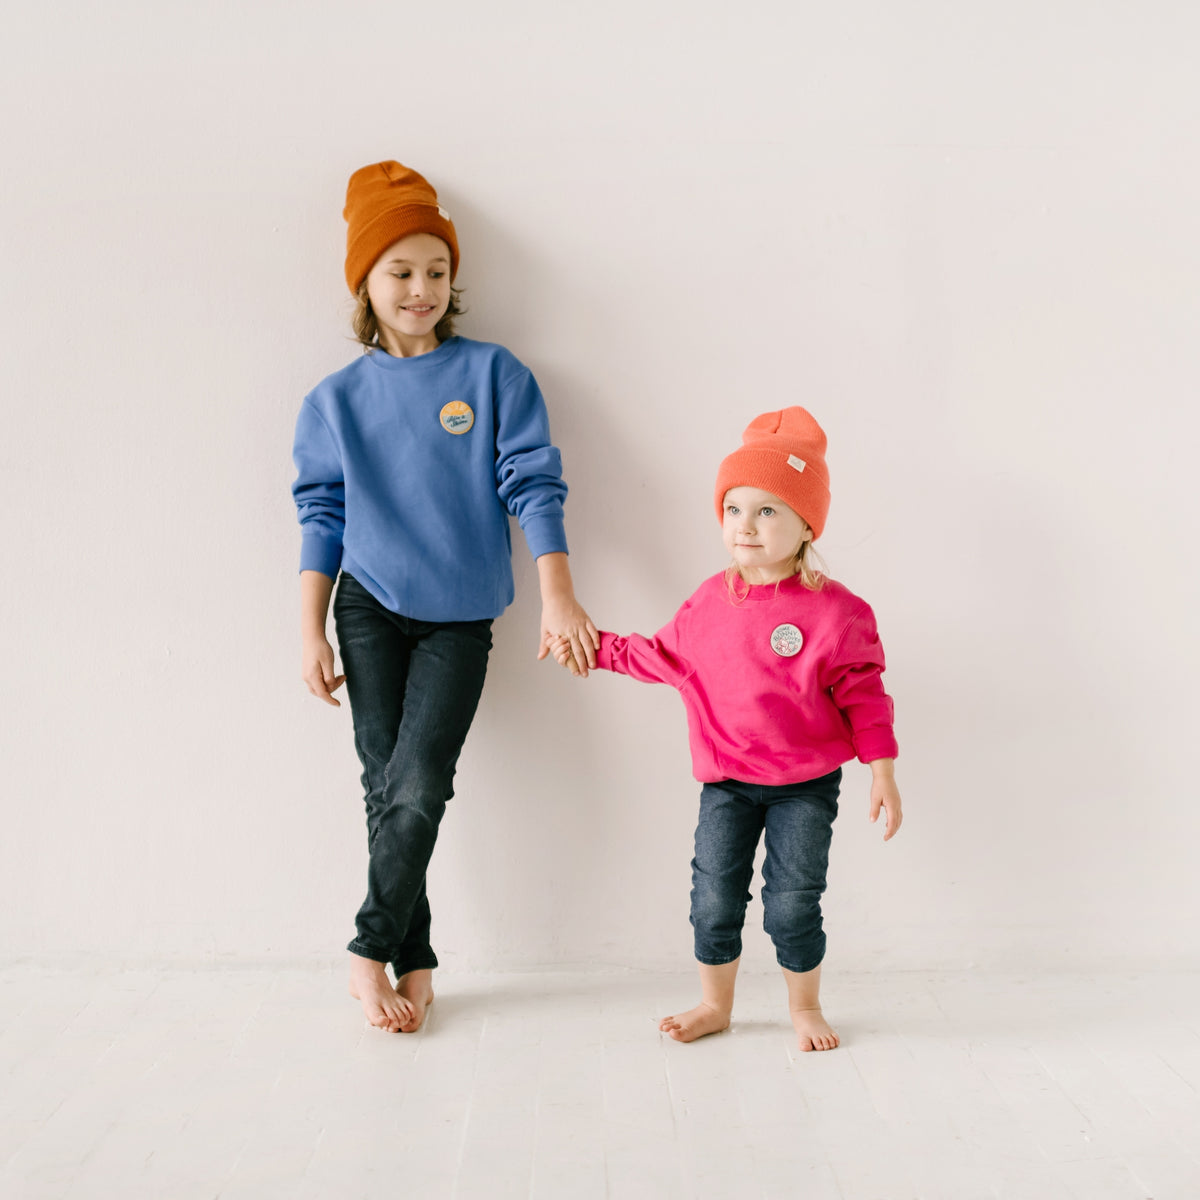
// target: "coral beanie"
[[782, 453], [384, 203]]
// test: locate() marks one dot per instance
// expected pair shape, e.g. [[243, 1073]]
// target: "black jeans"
[[797, 819], [413, 688]]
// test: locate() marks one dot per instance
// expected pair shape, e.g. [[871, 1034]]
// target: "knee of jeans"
[[793, 916], [718, 909], [421, 788]]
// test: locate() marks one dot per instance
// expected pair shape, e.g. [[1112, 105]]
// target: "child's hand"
[[567, 620], [885, 795], [560, 649], [316, 670], [563, 616]]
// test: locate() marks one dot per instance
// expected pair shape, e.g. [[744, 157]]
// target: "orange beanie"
[[782, 453], [384, 203]]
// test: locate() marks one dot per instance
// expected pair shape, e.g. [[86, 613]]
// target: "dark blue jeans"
[[413, 688], [798, 821]]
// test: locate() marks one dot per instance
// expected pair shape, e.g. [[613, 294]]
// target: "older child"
[[779, 669], [409, 462]]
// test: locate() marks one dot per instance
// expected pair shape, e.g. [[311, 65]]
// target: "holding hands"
[[560, 649], [565, 623]]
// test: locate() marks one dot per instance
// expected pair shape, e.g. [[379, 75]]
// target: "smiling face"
[[409, 290], [762, 534]]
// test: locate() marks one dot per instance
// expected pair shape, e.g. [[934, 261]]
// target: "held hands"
[[886, 796], [570, 636], [560, 649], [317, 669], [563, 616]]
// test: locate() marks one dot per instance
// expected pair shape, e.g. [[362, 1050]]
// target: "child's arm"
[[886, 796], [660, 659], [563, 617], [530, 486], [320, 495], [856, 686], [317, 654]]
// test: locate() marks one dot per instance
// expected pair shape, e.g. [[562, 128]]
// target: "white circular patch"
[[786, 640], [457, 417]]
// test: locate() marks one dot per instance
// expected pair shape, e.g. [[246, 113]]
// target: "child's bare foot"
[[695, 1023], [417, 988], [382, 1007], [813, 1032]]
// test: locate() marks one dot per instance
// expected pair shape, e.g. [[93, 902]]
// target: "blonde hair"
[[808, 564], [366, 327]]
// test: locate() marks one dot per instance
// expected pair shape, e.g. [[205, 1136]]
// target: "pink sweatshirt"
[[780, 687]]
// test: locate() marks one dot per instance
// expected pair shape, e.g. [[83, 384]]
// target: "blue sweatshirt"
[[408, 469]]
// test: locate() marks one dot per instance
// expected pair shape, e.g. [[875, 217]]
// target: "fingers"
[[892, 816], [321, 685], [894, 820], [580, 657], [591, 644], [567, 653]]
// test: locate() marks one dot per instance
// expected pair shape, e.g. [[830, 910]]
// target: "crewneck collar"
[[762, 593], [380, 358]]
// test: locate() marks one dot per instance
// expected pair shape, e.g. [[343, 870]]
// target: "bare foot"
[[813, 1032], [695, 1023], [382, 1007], [417, 988]]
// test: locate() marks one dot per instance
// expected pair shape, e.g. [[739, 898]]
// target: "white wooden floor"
[[251, 1084]]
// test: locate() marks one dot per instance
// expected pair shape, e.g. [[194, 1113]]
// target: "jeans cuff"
[[809, 963], [366, 950], [710, 961], [426, 961]]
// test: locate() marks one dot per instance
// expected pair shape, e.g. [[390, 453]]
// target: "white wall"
[[964, 235]]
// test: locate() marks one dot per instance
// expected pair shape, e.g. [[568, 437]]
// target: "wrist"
[[883, 768], [554, 578]]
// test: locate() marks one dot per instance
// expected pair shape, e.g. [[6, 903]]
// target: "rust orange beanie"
[[384, 203], [782, 453]]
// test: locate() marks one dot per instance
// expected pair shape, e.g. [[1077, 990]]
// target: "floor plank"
[[247, 1084]]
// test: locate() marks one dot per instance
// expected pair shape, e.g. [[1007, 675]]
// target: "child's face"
[[409, 290], [762, 534]]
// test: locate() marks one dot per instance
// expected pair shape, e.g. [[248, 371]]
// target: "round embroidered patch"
[[457, 417], [786, 640]]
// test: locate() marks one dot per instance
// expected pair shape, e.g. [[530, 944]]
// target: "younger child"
[[779, 669], [409, 462]]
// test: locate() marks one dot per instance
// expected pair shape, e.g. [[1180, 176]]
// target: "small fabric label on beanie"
[[457, 417], [443, 213], [798, 463]]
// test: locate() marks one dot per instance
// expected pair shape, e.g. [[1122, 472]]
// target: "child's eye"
[[401, 274], [767, 512], [732, 510]]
